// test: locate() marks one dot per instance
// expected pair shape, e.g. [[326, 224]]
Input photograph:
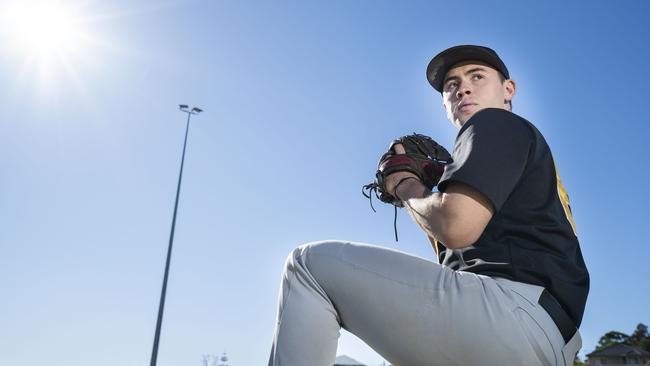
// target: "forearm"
[[425, 207], [456, 217]]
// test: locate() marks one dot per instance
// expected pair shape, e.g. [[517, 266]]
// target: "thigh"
[[539, 328], [414, 311]]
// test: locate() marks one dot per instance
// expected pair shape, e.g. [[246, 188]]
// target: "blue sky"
[[300, 100]]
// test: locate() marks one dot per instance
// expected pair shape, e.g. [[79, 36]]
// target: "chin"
[[466, 117], [460, 120]]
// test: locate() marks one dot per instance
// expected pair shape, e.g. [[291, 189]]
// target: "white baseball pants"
[[410, 310]]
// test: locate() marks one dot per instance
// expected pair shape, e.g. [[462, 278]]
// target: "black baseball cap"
[[445, 60]]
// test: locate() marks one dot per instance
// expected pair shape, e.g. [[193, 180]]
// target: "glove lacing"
[[372, 187]]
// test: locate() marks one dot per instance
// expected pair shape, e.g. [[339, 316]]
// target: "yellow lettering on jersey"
[[564, 198]]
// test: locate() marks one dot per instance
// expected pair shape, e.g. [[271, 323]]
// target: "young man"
[[512, 285]]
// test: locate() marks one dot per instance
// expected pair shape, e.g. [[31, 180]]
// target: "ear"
[[509, 89]]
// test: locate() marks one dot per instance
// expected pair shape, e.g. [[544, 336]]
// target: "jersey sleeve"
[[490, 154]]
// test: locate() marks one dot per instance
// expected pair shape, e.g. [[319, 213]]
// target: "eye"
[[477, 77], [451, 85]]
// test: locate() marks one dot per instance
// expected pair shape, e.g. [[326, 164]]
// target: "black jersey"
[[532, 237]]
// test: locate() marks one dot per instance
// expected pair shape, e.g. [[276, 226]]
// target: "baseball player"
[[511, 285]]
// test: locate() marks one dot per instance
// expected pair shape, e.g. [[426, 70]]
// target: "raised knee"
[[302, 255]]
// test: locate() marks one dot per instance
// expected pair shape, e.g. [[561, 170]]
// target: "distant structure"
[[216, 361], [346, 361], [223, 360], [619, 354]]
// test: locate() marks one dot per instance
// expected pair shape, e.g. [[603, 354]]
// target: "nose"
[[463, 89]]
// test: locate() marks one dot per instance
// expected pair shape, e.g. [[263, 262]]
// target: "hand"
[[393, 179], [412, 156]]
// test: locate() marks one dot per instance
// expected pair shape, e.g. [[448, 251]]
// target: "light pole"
[[154, 354]]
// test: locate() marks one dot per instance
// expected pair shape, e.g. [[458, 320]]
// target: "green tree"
[[611, 338], [640, 337]]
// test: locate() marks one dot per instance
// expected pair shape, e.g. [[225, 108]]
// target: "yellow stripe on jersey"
[[564, 198]]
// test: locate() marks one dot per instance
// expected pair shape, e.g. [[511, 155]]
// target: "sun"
[[45, 28], [47, 39]]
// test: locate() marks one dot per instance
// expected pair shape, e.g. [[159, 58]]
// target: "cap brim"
[[445, 60]]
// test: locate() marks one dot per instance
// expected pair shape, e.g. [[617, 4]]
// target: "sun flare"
[[50, 42], [44, 28]]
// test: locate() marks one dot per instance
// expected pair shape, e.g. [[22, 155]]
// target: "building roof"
[[619, 350], [346, 361]]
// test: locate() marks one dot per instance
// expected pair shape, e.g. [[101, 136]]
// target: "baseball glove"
[[424, 157]]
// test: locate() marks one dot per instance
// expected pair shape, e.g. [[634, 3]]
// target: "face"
[[471, 86]]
